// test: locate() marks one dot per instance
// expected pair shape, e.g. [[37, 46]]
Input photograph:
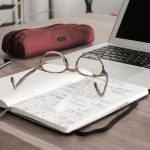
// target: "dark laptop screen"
[[136, 21]]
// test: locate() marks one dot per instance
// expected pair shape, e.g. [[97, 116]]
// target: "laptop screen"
[[136, 22]]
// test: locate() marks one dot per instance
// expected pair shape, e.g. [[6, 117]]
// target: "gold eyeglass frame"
[[67, 68]]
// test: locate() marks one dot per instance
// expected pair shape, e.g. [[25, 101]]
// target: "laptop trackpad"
[[121, 71]]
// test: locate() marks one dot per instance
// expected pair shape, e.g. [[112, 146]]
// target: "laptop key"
[[124, 55]]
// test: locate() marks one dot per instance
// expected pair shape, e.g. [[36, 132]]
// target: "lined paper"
[[80, 102]]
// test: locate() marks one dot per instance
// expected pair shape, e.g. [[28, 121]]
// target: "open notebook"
[[66, 101]]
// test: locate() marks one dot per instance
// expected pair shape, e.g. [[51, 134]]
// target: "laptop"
[[126, 56]]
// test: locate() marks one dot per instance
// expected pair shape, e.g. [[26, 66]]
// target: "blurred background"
[[23, 11]]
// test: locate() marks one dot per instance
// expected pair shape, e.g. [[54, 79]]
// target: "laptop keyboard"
[[124, 55]]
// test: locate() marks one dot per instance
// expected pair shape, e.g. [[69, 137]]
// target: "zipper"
[[10, 43], [39, 30], [18, 31], [42, 30]]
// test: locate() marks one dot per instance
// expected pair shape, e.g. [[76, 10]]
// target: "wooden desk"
[[133, 132]]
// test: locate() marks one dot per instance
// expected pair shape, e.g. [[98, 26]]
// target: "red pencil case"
[[32, 42]]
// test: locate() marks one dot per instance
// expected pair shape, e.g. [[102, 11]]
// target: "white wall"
[[75, 7], [3, 13], [5, 1], [36, 10], [63, 8], [107, 6]]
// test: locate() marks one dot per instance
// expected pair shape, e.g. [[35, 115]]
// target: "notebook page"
[[80, 107], [44, 107], [38, 83]]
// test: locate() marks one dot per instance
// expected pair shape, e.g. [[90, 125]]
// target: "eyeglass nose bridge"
[[72, 69]]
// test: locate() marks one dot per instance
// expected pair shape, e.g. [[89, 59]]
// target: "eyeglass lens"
[[49, 58]]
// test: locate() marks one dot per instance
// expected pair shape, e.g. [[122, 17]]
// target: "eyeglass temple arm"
[[97, 89], [15, 85]]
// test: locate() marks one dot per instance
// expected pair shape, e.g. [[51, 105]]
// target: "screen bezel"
[[143, 46]]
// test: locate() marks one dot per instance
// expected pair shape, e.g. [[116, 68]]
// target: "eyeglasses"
[[79, 67]]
